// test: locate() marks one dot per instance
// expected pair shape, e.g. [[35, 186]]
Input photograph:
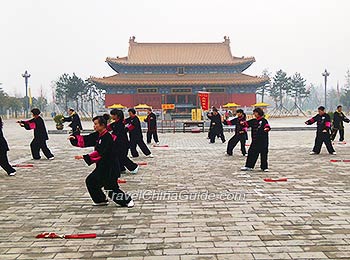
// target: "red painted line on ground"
[[141, 163], [162, 146], [23, 165], [275, 180]]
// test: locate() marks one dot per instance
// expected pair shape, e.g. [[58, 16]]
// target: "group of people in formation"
[[326, 133], [111, 143], [260, 136]]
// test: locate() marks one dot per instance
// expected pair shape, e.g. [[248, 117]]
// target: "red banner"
[[204, 99]]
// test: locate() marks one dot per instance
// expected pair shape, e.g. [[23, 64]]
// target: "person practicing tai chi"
[[4, 162], [133, 126], [338, 119], [107, 171], [260, 141], [323, 121], [74, 119], [40, 135], [216, 128], [241, 127], [121, 142], [151, 121]]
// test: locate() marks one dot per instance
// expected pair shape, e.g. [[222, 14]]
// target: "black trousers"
[[124, 160], [151, 133], [94, 185], [334, 134], [134, 142], [253, 154], [323, 137], [234, 141], [35, 147], [214, 133], [4, 163]]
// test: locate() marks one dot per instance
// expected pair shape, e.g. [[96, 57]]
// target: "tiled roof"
[[178, 80], [180, 54]]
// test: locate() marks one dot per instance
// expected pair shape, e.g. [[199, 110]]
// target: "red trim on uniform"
[[80, 139], [131, 127], [114, 137], [312, 120], [327, 124], [95, 156]]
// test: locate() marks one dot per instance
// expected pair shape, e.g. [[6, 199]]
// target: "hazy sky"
[[51, 37]]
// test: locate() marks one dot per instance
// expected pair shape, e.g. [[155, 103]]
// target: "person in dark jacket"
[[151, 121], [40, 135], [122, 142], [323, 121], [241, 127], [74, 119], [133, 126], [260, 141], [4, 162], [215, 128], [107, 172], [338, 119]]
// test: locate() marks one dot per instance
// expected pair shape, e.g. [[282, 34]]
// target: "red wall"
[[244, 99], [155, 100], [131, 100]]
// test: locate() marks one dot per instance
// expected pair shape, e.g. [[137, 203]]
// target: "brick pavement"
[[307, 217]]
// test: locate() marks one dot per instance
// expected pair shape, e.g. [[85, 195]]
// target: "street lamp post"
[[26, 76], [325, 74]]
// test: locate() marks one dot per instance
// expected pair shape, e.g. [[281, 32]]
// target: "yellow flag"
[[30, 97]]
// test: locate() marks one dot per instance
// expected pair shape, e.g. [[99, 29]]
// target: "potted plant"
[[59, 122]]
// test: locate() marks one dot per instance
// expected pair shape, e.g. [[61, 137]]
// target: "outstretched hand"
[[71, 137], [78, 157]]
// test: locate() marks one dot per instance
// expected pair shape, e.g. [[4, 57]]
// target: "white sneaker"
[[131, 204], [245, 155], [265, 170], [246, 169], [52, 158], [136, 170], [157, 143], [334, 153], [150, 156], [312, 153], [12, 174], [103, 203]]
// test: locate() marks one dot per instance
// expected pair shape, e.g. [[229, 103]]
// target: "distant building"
[[173, 73]]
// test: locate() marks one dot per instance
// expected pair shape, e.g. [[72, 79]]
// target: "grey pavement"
[[191, 202]]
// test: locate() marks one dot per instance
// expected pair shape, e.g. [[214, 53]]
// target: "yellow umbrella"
[[116, 106], [142, 106], [261, 104], [229, 105]]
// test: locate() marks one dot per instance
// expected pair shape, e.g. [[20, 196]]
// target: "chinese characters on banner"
[[204, 99]]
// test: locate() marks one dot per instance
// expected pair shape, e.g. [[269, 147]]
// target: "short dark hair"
[[102, 120], [132, 110], [215, 109], [240, 111], [35, 111], [71, 109], [322, 108], [118, 113], [339, 106], [149, 109], [259, 111]]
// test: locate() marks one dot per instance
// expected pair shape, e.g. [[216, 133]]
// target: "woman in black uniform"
[[122, 142], [4, 163]]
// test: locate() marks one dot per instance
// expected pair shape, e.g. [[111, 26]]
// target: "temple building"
[[173, 73]]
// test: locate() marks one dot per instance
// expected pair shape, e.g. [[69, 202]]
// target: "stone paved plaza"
[[307, 217]]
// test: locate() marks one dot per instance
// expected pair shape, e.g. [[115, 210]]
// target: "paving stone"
[[306, 217]]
